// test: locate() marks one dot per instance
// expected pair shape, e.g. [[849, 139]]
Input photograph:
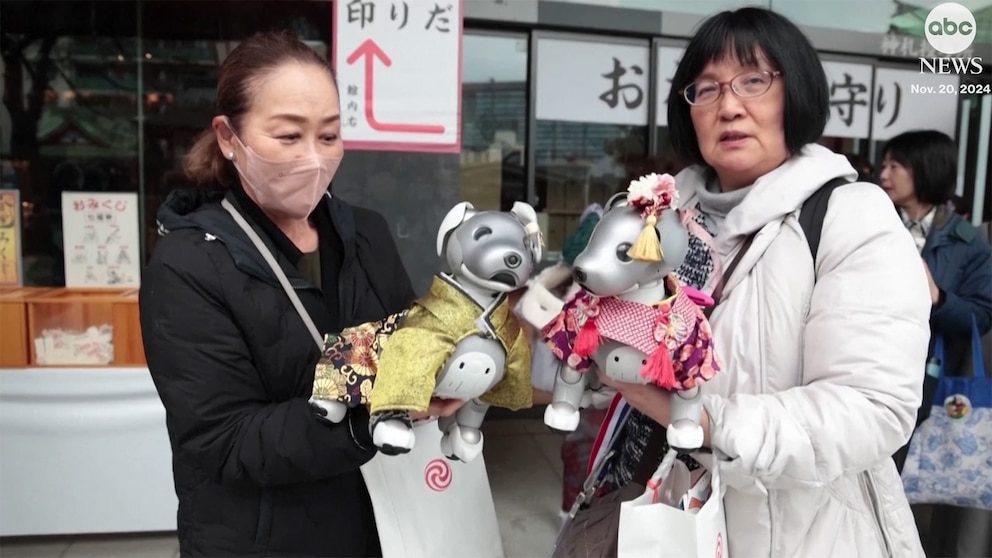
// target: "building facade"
[[561, 101]]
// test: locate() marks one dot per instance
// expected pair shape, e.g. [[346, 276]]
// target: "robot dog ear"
[[616, 200], [528, 217], [455, 217]]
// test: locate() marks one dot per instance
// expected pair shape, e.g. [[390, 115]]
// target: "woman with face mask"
[[257, 469]]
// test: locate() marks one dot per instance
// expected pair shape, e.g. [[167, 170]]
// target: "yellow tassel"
[[647, 248]]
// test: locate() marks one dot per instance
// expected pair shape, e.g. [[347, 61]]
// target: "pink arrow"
[[370, 51]]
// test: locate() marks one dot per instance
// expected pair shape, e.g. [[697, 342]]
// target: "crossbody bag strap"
[[654, 450], [718, 291], [277, 269]]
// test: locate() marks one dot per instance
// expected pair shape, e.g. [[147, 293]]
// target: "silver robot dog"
[[604, 270], [487, 254]]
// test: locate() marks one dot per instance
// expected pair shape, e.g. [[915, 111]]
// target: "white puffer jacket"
[[822, 380]]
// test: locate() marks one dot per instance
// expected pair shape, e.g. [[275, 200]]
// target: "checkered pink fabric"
[[676, 323]]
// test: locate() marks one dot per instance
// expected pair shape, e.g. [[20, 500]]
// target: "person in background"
[[819, 381], [257, 470], [959, 205], [919, 172]]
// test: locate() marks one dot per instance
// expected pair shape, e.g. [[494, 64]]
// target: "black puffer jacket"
[[256, 472]]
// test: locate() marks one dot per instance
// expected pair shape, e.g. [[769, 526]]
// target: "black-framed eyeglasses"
[[745, 86]]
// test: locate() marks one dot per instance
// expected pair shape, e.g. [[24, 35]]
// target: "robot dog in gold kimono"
[[632, 318], [462, 340]]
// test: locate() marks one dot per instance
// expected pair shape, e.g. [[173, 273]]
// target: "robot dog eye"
[[622, 250], [481, 232]]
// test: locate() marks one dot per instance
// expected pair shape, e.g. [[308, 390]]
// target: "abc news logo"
[[950, 29]]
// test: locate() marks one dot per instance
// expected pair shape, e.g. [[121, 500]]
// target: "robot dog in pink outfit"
[[633, 319]]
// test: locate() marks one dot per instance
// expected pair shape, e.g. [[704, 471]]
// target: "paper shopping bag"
[[428, 506], [652, 525]]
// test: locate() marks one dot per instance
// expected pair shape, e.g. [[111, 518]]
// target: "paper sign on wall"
[[10, 238], [399, 66], [668, 61], [908, 100], [589, 81], [850, 87], [100, 239]]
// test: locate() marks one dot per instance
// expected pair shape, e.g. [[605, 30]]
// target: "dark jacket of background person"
[[961, 263]]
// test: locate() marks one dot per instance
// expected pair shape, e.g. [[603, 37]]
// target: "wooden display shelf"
[[75, 310], [14, 341]]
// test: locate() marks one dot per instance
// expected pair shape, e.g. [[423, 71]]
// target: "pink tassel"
[[587, 341], [659, 369]]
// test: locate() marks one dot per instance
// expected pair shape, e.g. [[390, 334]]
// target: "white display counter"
[[83, 450]]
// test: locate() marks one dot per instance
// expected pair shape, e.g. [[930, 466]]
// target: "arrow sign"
[[370, 51]]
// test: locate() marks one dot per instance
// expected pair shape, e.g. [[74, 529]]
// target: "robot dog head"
[[492, 250], [608, 266]]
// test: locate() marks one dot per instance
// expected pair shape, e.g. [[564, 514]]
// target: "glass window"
[[876, 16], [68, 117], [591, 109], [494, 120], [578, 164], [873, 16], [700, 7], [98, 100]]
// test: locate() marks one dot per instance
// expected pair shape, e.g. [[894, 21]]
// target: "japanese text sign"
[[398, 64], [588, 81], [10, 238], [849, 87], [100, 239], [667, 62], [908, 100]]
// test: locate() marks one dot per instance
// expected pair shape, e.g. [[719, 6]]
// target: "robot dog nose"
[[513, 261], [580, 275]]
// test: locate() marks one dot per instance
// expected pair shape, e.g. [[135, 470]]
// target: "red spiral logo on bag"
[[437, 475]]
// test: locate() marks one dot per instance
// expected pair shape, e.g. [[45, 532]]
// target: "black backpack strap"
[[813, 211]]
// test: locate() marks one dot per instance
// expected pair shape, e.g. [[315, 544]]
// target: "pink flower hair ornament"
[[651, 194]]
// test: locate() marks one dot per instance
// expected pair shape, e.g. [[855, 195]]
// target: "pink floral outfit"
[[674, 333]]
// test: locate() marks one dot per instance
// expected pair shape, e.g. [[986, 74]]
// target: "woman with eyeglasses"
[[820, 354]]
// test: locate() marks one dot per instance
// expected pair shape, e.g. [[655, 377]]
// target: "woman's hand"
[[439, 408], [646, 398], [653, 402]]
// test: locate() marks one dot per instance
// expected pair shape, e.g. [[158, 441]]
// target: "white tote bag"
[[652, 525], [428, 506]]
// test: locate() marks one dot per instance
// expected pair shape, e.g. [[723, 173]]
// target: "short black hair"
[[861, 164], [745, 33], [932, 158]]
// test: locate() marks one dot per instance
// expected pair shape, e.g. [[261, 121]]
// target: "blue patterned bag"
[[950, 455]]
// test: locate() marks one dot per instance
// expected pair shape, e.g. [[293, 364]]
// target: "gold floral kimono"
[[415, 354], [347, 368]]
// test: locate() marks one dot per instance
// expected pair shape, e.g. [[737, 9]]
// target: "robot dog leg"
[[563, 412], [462, 437], [685, 433]]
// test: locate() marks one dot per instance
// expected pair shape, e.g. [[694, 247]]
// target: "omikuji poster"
[[100, 236]]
